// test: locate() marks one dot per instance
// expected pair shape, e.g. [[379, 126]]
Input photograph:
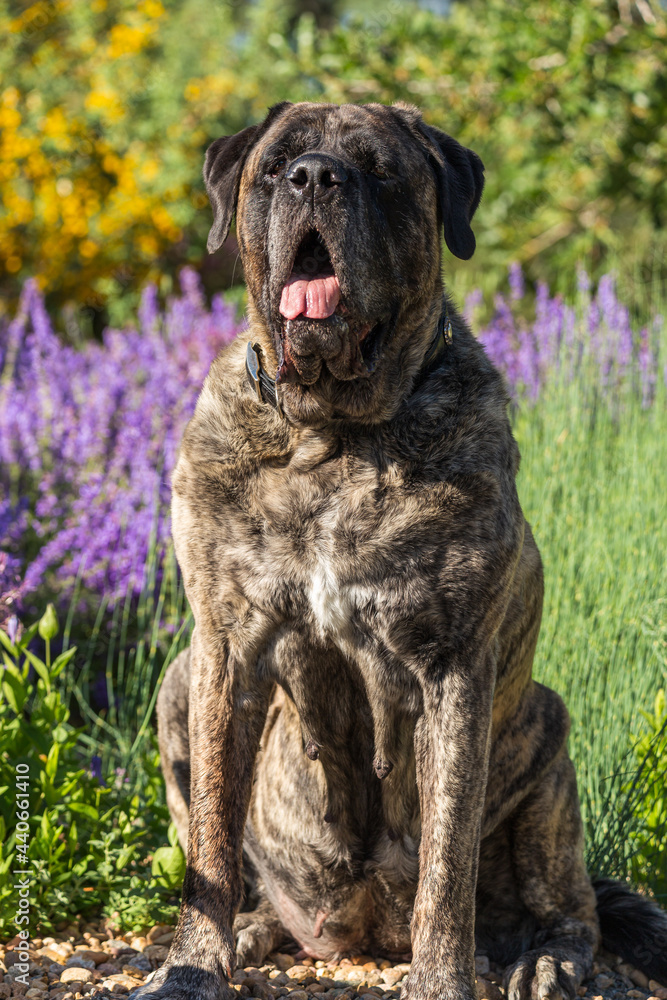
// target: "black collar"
[[265, 386]]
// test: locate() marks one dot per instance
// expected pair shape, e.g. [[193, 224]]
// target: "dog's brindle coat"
[[367, 596]]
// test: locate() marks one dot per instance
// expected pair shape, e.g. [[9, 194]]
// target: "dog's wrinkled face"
[[338, 216]]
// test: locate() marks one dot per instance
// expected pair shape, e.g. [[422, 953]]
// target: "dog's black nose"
[[317, 174]]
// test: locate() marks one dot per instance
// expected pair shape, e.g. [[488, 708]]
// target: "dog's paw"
[[544, 974], [257, 933], [183, 982]]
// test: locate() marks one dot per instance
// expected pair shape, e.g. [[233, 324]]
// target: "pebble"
[[75, 974], [156, 952], [134, 971], [391, 976], [108, 968], [603, 982], [140, 962], [102, 961], [91, 955]]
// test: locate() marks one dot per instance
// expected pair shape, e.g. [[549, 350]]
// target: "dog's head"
[[339, 212]]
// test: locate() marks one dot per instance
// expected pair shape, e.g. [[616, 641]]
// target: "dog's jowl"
[[356, 720]]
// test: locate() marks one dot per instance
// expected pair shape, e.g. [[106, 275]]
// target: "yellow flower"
[[151, 8], [88, 248], [106, 101], [127, 40], [9, 117], [148, 245]]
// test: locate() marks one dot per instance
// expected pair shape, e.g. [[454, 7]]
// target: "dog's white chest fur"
[[332, 603]]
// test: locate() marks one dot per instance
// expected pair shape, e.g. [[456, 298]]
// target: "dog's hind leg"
[[172, 723], [548, 862], [257, 933]]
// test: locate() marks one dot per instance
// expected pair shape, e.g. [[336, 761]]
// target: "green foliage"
[[88, 842], [100, 170], [592, 484], [650, 840]]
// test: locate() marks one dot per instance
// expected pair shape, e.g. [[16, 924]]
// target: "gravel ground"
[[88, 962]]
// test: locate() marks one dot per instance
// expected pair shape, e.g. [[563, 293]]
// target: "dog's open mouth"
[[312, 289], [318, 327]]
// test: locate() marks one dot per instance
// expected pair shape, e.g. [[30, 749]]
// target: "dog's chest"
[[327, 542], [333, 603]]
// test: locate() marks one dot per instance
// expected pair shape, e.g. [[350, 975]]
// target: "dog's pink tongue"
[[315, 298]]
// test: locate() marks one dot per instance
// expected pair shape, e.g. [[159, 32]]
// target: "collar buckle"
[[265, 387], [253, 368]]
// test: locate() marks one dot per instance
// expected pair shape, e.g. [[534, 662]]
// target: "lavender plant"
[[89, 439]]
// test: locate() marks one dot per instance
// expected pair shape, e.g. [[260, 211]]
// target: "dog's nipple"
[[312, 750], [382, 767], [319, 923]]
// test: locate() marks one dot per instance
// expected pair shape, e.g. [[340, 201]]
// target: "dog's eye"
[[277, 166], [380, 173]]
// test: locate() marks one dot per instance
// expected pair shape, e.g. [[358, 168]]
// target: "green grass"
[[593, 485]]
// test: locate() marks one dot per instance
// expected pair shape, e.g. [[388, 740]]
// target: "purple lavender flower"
[[517, 289], [93, 436], [595, 342], [12, 628]]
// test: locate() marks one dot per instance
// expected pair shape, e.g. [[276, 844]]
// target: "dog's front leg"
[[451, 749], [228, 706]]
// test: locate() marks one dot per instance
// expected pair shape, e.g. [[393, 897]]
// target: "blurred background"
[[107, 107], [111, 313]]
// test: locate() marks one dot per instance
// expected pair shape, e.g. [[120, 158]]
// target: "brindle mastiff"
[[356, 711]]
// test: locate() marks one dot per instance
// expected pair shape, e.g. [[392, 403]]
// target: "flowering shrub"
[[89, 439]]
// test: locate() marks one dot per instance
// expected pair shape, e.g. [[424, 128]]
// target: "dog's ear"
[[460, 177], [223, 166]]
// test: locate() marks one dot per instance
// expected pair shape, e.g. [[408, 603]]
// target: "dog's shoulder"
[[457, 417], [228, 426]]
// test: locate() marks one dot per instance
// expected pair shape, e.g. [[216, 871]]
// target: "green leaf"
[[61, 661], [169, 864], [28, 634], [14, 691], [172, 835], [40, 667], [48, 623], [51, 765], [8, 644], [72, 837], [84, 810]]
